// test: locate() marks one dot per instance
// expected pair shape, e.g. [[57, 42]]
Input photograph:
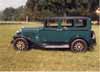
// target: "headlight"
[[19, 31]]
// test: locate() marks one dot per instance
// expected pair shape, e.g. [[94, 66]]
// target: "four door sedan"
[[58, 32]]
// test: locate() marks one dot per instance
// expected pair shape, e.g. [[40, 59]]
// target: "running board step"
[[56, 46]]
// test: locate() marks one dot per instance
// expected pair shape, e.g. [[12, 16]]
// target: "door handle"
[[59, 30]]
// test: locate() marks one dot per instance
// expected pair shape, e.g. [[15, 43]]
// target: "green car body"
[[60, 32]]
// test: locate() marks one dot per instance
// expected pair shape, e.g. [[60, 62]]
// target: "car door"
[[53, 32], [52, 35]]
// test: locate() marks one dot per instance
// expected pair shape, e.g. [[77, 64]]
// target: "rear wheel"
[[79, 45], [21, 44]]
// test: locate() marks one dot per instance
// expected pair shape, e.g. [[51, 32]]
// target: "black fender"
[[21, 36], [79, 37]]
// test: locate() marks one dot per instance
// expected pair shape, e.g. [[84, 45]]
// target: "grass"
[[43, 60]]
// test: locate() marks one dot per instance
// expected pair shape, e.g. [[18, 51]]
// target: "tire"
[[21, 44], [79, 45]]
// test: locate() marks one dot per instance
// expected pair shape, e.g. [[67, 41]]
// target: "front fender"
[[20, 36]]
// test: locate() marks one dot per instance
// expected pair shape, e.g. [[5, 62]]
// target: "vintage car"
[[58, 32]]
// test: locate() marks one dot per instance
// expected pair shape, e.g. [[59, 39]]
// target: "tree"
[[0, 15], [20, 13], [62, 7], [9, 14], [31, 8]]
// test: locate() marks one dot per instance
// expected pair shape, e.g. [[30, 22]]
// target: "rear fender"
[[74, 38]]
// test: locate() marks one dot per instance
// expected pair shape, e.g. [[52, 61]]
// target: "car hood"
[[32, 28], [27, 29]]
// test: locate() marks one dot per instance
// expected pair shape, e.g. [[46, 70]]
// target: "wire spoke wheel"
[[79, 45], [21, 44]]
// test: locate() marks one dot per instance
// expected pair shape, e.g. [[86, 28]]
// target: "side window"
[[52, 23], [67, 23], [80, 23]]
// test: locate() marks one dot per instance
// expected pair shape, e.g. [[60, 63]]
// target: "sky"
[[11, 3]]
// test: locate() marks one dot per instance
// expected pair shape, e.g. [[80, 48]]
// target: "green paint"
[[59, 24], [58, 34]]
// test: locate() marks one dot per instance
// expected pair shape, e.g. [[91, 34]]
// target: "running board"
[[56, 46]]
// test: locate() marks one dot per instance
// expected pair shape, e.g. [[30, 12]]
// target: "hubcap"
[[20, 45], [78, 46]]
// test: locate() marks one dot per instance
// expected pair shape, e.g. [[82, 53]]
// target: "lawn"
[[38, 59]]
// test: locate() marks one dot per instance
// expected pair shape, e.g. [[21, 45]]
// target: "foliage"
[[38, 9], [0, 15], [20, 14], [9, 13], [62, 7]]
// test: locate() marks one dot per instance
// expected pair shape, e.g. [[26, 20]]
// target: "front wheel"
[[21, 44], [79, 45]]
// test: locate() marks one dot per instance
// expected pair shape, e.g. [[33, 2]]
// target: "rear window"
[[80, 23]]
